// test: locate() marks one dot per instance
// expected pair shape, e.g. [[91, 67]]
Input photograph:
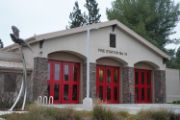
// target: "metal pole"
[[25, 79], [23, 84], [18, 97], [87, 66]]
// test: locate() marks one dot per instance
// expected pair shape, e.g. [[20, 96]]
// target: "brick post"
[[127, 84], [159, 86], [40, 74]]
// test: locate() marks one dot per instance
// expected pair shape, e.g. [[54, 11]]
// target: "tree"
[[76, 17], [178, 57], [93, 12], [1, 44], [79, 19], [152, 19]]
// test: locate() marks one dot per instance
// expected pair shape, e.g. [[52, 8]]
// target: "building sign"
[[115, 52]]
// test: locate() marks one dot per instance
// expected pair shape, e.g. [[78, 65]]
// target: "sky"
[[35, 17]]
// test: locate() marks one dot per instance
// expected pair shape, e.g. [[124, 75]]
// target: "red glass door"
[[143, 86], [107, 83], [63, 81]]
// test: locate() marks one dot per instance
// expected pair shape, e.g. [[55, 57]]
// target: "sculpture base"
[[88, 103]]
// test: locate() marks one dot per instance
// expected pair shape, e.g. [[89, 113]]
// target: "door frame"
[[62, 82], [144, 85], [105, 84]]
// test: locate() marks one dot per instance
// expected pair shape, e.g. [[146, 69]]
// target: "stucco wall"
[[128, 49], [132, 51], [172, 84]]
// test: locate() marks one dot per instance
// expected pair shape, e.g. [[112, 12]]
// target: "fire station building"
[[105, 61]]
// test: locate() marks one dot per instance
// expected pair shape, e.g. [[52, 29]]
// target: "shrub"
[[45, 113], [100, 113], [176, 102], [157, 115], [173, 116]]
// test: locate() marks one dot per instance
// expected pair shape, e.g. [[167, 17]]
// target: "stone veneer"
[[127, 84], [9, 90], [40, 76], [159, 86]]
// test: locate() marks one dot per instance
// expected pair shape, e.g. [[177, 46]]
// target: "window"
[[48, 71], [112, 40], [57, 72], [66, 72], [41, 44]]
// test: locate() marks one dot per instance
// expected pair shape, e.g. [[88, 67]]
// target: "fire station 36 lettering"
[[116, 52]]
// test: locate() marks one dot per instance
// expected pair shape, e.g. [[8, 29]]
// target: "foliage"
[[175, 59], [176, 102], [44, 113], [93, 12], [153, 115], [1, 44], [99, 113], [178, 56], [157, 115], [76, 17], [152, 19]]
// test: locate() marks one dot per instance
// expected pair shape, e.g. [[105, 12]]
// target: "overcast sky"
[[42, 16]]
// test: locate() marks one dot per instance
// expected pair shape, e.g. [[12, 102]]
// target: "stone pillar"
[[127, 84], [40, 74], [159, 86], [92, 80]]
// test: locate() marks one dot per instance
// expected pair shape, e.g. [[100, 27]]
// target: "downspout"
[[87, 102], [87, 64]]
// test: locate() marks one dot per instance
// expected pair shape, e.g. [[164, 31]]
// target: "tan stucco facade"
[[131, 51]]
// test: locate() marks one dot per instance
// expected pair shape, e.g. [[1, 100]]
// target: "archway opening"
[[108, 74], [65, 77], [143, 81]]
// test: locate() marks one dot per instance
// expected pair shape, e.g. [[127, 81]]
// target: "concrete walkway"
[[131, 108], [135, 108]]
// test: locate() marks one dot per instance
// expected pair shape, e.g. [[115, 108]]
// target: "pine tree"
[[76, 17], [152, 19], [178, 56], [1, 44], [93, 12]]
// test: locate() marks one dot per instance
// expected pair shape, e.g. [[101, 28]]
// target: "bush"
[[156, 115], [44, 113], [176, 102], [100, 113]]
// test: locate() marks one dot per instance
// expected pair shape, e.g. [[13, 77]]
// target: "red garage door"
[[143, 86], [63, 81], [107, 83]]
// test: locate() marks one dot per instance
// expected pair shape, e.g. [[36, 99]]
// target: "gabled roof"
[[67, 32]]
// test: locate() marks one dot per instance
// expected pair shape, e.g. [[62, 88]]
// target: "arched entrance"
[[143, 82], [108, 75], [64, 77]]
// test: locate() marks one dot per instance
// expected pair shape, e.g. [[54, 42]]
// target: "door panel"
[[107, 83]]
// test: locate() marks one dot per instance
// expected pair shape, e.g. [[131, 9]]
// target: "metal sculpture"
[[23, 90]]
